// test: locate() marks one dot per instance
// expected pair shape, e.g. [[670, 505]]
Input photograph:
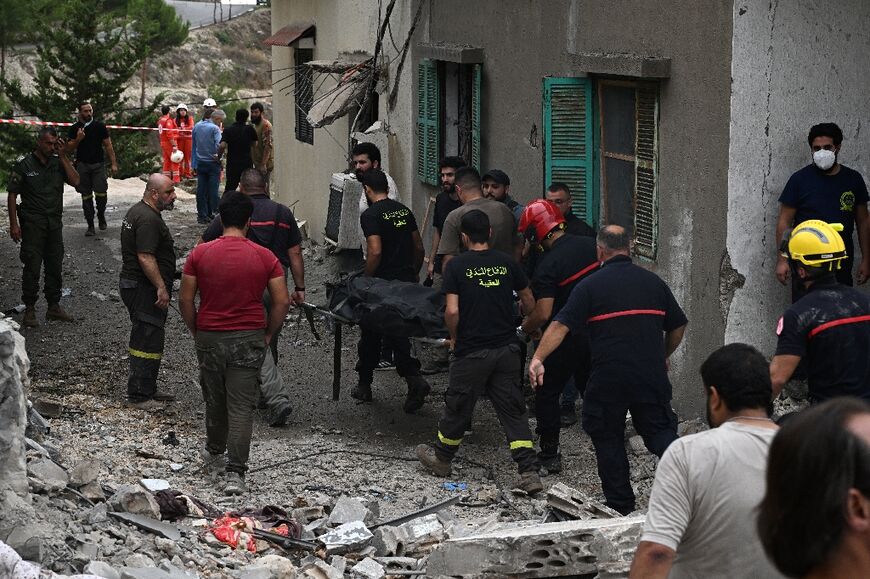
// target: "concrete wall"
[[795, 64], [525, 40], [302, 171]]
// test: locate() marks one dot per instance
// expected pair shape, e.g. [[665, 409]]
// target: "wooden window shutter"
[[645, 201], [475, 115], [568, 141], [428, 122], [303, 94]]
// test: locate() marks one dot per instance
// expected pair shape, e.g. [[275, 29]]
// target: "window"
[[629, 151], [568, 149], [303, 93], [448, 115]]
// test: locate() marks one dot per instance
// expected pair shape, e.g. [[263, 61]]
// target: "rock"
[[84, 473], [93, 492], [155, 484], [144, 573], [348, 510], [88, 552], [389, 541], [393, 564], [175, 466], [307, 514], [139, 560], [255, 573], [368, 569], [28, 541], [422, 534], [166, 546], [45, 476], [347, 537], [576, 504], [97, 514], [48, 408], [318, 569], [136, 500], [339, 563], [636, 444], [102, 569], [276, 566]]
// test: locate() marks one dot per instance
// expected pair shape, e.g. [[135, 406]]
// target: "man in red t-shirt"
[[231, 331]]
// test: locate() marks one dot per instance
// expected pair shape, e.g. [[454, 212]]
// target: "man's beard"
[[161, 206], [256, 120], [449, 189]]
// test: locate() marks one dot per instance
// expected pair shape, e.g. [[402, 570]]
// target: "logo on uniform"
[[847, 201]]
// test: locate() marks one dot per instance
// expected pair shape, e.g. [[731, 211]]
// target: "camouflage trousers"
[[229, 368]]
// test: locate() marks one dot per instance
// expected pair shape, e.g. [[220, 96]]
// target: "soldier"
[[37, 223]]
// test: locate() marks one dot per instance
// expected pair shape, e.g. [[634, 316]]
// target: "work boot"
[[163, 396], [102, 221], [550, 464], [55, 312], [280, 419], [235, 484], [362, 392], [146, 405], [567, 416], [212, 463], [30, 320], [90, 232], [429, 458], [418, 389], [530, 482]]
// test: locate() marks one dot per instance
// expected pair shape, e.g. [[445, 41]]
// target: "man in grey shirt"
[[702, 510]]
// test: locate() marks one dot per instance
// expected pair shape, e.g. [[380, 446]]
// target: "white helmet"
[[209, 102], [177, 156], [180, 106]]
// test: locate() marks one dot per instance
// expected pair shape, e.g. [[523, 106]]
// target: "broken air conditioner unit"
[[342, 215]]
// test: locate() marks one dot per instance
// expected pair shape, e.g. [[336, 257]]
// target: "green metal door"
[[568, 142]]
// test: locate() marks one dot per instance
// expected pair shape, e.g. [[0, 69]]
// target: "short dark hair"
[[613, 239], [46, 130], [826, 130], [236, 209], [813, 462], [242, 115], [83, 103], [475, 224], [369, 149], [164, 109], [253, 179], [741, 375], [467, 178], [559, 186], [258, 106], [376, 180], [452, 162]]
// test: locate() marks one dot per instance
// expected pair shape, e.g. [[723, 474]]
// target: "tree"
[[14, 25], [155, 28]]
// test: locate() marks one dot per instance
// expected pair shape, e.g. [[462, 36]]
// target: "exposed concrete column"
[[14, 365]]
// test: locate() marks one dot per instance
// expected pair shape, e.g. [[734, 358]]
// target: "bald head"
[[157, 182], [613, 240], [159, 192]]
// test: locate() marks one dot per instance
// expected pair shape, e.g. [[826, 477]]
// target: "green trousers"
[[41, 246]]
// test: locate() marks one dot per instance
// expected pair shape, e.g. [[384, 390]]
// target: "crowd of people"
[[749, 497]]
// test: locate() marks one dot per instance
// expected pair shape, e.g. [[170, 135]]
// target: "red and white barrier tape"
[[59, 124]]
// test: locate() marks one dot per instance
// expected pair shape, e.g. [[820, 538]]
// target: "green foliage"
[[223, 37], [227, 100], [154, 26]]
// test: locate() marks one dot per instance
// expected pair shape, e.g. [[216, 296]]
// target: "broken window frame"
[[303, 94]]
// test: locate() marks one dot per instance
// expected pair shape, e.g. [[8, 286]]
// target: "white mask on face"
[[824, 159]]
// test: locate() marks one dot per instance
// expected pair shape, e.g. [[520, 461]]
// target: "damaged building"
[[680, 122]]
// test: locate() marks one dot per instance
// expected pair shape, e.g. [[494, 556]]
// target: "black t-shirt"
[[395, 224], [570, 259], [239, 137], [625, 309], [831, 198], [144, 231], [90, 150], [40, 187], [485, 282], [830, 328], [443, 206], [272, 226]]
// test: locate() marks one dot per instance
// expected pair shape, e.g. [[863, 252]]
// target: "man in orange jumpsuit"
[[169, 144]]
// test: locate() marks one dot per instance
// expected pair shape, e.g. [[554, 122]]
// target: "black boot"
[[550, 457]]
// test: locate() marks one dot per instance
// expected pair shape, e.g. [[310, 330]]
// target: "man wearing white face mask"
[[831, 192]]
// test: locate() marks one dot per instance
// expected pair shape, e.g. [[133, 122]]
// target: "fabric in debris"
[[390, 307], [273, 519], [174, 505], [236, 532]]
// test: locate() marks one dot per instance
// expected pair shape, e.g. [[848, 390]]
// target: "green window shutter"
[[568, 141], [645, 202], [428, 122], [475, 115]]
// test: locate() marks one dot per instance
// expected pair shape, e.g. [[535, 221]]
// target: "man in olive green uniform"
[[38, 222], [261, 151]]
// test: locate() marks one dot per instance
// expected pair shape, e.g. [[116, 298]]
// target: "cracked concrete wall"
[[794, 64], [14, 365]]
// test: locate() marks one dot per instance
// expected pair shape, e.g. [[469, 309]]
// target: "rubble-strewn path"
[[327, 449]]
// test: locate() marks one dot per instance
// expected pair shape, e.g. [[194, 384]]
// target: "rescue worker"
[[829, 326], [88, 137], [273, 227], [394, 251], [479, 285], [38, 222], [497, 186], [184, 124], [261, 151], [634, 325], [566, 260], [168, 144], [147, 272], [208, 107], [446, 201]]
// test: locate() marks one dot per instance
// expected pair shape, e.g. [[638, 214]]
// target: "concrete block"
[[348, 510], [46, 476], [367, 569], [84, 473], [277, 566], [307, 514], [393, 564], [318, 569], [339, 563], [28, 541], [155, 484], [102, 569], [576, 504], [347, 537], [135, 500], [389, 541], [542, 550]]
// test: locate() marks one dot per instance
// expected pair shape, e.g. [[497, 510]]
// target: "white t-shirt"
[[704, 503]]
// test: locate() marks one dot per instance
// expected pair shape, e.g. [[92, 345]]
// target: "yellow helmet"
[[815, 243]]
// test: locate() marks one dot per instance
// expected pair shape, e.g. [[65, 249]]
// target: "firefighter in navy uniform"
[[38, 178], [829, 327], [566, 260], [634, 325]]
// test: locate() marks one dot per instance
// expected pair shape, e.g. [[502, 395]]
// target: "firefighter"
[[830, 325], [634, 325], [566, 260], [168, 144], [479, 284]]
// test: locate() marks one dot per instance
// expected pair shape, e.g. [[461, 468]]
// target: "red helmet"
[[539, 218]]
